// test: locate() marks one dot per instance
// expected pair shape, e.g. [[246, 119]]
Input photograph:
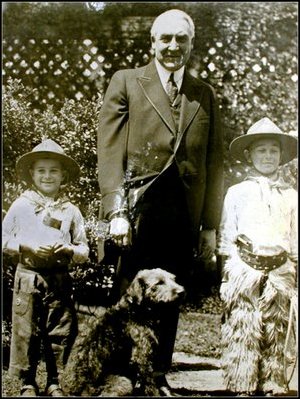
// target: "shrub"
[[246, 51], [74, 127]]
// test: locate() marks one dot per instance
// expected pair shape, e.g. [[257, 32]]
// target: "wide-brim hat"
[[265, 129], [46, 149]]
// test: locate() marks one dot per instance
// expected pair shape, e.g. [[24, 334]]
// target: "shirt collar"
[[164, 75], [42, 202]]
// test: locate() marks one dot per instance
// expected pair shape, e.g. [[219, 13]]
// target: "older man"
[[160, 153]]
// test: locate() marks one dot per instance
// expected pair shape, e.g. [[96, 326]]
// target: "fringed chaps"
[[255, 325]]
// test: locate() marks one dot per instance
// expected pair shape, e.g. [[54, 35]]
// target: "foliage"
[[256, 62], [92, 285], [247, 51], [59, 19], [74, 127], [18, 121], [198, 334]]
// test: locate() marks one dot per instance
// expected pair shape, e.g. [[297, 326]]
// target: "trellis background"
[[58, 59], [248, 51], [46, 65], [69, 51], [60, 68]]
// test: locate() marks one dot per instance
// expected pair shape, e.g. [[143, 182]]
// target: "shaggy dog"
[[117, 349]]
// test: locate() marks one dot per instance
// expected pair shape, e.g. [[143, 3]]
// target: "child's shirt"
[[36, 220], [264, 211]]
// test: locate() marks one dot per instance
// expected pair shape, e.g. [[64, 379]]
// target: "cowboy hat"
[[265, 129], [46, 149]]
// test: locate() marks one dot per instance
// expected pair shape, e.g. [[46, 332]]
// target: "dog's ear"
[[136, 290]]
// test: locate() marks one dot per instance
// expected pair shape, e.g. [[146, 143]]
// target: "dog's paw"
[[151, 390], [116, 385]]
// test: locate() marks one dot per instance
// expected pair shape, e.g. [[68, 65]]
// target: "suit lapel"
[[190, 103], [154, 92]]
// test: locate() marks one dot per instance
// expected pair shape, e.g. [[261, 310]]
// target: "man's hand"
[[207, 244], [120, 231]]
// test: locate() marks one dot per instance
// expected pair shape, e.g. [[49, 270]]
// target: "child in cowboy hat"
[[258, 238], [47, 232]]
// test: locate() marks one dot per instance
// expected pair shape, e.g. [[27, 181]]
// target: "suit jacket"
[[138, 140]]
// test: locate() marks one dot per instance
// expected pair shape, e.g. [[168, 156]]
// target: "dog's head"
[[154, 286]]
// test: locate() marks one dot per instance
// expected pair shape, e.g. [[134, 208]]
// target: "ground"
[[196, 361], [198, 334]]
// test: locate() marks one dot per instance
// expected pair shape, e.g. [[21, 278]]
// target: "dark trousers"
[[161, 238]]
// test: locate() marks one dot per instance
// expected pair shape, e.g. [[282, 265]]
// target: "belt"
[[43, 266], [263, 263]]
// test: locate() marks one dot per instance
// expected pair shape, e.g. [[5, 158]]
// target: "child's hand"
[[39, 251], [63, 250], [44, 251]]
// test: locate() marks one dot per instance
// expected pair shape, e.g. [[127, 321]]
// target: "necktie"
[[172, 89]]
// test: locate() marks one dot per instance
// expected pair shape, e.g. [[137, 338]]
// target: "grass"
[[198, 334]]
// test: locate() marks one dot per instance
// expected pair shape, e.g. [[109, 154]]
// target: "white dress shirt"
[[164, 75]]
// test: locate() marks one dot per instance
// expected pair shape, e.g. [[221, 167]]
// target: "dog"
[[116, 350]]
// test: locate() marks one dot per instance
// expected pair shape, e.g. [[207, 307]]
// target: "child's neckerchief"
[[42, 202], [266, 185], [279, 183]]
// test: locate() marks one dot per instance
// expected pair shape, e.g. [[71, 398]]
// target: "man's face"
[[172, 43]]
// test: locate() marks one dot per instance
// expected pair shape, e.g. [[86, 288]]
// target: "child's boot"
[[54, 390], [29, 391]]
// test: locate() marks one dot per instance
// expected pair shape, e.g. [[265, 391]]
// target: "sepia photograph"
[[149, 199]]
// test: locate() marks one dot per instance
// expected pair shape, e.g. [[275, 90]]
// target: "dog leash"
[[292, 329]]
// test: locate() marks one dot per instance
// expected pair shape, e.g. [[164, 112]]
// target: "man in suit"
[[160, 162]]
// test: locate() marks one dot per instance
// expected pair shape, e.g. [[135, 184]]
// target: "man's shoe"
[[29, 391], [54, 390], [165, 391], [164, 387]]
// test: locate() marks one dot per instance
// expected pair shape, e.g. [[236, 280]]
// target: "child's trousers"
[[43, 315]]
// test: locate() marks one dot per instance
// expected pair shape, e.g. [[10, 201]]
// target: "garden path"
[[201, 376]]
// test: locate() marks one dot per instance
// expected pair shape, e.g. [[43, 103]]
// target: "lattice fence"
[[57, 69]]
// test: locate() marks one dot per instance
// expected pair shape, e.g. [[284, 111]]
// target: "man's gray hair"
[[175, 13]]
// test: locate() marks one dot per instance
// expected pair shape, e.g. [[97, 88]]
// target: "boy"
[[47, 232], [258, 237]]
